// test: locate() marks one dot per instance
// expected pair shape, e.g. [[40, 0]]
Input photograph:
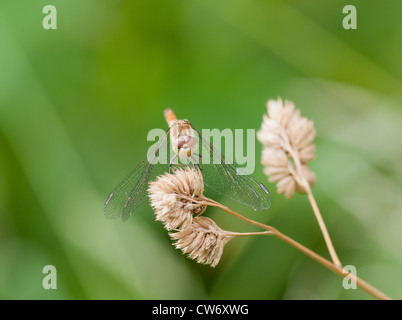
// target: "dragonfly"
[[184, 145]]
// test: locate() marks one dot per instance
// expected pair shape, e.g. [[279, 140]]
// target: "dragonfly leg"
[[172, 162], [193, 163], [196, 162], [198, 155]]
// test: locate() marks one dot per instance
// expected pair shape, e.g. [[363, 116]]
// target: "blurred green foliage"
[[76, 104]]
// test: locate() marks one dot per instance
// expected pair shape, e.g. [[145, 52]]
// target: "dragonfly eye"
[[186, 141], [181, 142]]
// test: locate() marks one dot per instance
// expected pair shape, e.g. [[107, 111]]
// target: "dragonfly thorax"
[[185, 146]]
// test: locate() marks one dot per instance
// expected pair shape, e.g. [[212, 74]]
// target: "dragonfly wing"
[[138, 194], [223, 177], [117, 199], [247, 189], [131, 192]]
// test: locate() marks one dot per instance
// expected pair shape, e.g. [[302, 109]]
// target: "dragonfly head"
[[186, 146], [184, 139]]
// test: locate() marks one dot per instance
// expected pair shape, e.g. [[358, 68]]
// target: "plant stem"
[[242, 234], [322, 225], [302, 179], [330, 265]]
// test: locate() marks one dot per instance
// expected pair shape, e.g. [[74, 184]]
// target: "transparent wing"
[[117, 199], [222, 177], [132, 191], [139, 193]]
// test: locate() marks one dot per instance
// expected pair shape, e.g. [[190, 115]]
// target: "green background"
[[76, 105]]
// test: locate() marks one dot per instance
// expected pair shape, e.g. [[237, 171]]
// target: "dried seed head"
[[175, 197], [288, 139], [202, 240]]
